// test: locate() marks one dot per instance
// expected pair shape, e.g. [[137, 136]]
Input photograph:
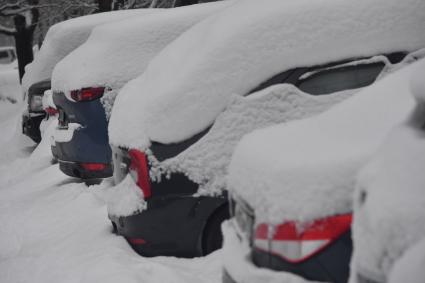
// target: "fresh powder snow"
[[191, 81], [118, 52], [389, 202], [64, 37], [314, 161], [410, 267]]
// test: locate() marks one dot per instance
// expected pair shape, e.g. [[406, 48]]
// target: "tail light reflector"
[[139, 170], [51, 111], [87, 94], [94, 166], [295, 242]]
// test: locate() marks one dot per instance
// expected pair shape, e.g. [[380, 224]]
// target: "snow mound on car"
[[410, 267], [306, 169], [206, 162], [64, 37], [115, 53], [189, 83], [389, 198]]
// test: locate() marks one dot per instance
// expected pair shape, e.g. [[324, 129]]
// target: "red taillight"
[[87, 94], [295, 242], [140, 171], [137, 241], [94, 166], [51, 111]]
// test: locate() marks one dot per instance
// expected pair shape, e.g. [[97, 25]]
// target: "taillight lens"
[[295, 242], [87, 94], [139, 170], [51, 111], [94, 166]]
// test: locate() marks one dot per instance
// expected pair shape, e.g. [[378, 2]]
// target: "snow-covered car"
[[389, 210], [174, 128], [87, 81], [61, 39], [7, 56], [293, 202]]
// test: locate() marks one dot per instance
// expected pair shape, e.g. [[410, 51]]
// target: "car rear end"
[[174, 221], [318, 250], [81, 138], [34, 114]]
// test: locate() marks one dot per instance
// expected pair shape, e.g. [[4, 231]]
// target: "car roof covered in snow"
[[190, 82], [115, 53], [64, 37], [389, 197], [306, 169]]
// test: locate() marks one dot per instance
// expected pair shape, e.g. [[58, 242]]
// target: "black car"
[[34, 114], [177, 223]]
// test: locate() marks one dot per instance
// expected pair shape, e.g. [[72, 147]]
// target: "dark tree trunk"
[[178, 3], [104, 5], [23, 40]]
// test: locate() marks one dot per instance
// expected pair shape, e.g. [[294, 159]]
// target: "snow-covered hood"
[[389, 200], [64, 37], [117, 52], [306, 169], [190, 82]]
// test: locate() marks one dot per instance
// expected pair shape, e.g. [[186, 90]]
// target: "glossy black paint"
[[89, 143], [171, 225]]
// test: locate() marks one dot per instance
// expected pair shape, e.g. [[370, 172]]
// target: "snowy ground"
[[55, 228]]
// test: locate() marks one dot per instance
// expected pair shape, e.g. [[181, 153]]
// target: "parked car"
[[60, 40], [174, 128], [293, 202], [87, 81], [389, 210], [34, 113], [7, 55]]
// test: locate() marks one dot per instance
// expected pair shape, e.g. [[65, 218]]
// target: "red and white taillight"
[[295, 242], [87, 94], [139, 170], [51, 111]]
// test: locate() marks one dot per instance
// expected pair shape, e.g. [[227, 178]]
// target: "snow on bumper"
[[239, 268], [65, 135]]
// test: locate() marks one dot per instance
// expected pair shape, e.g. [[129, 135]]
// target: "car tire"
[[212, 236]]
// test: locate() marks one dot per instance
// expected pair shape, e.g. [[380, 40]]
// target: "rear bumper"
[[238, 266], [170, 226], [75, 169], [31, 125]]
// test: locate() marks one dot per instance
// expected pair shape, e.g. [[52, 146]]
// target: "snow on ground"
[[389, 209], [240, 47], [309, 160], [55, 228], [9, 84]]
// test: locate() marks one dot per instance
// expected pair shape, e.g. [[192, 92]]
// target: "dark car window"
[[4, 57], [337, 79]]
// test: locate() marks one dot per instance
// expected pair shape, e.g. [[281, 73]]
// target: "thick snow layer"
[[314, 161], [55, 228], [389, 198], [206, 162], [118, 52], [237, 262], [66, 36], [410, 267], [191, 81]]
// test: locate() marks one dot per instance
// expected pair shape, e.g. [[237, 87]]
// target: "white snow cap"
[[64, 37], [389, 209], [115, 53], [190, 82], [410, 267], [306, 169]]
